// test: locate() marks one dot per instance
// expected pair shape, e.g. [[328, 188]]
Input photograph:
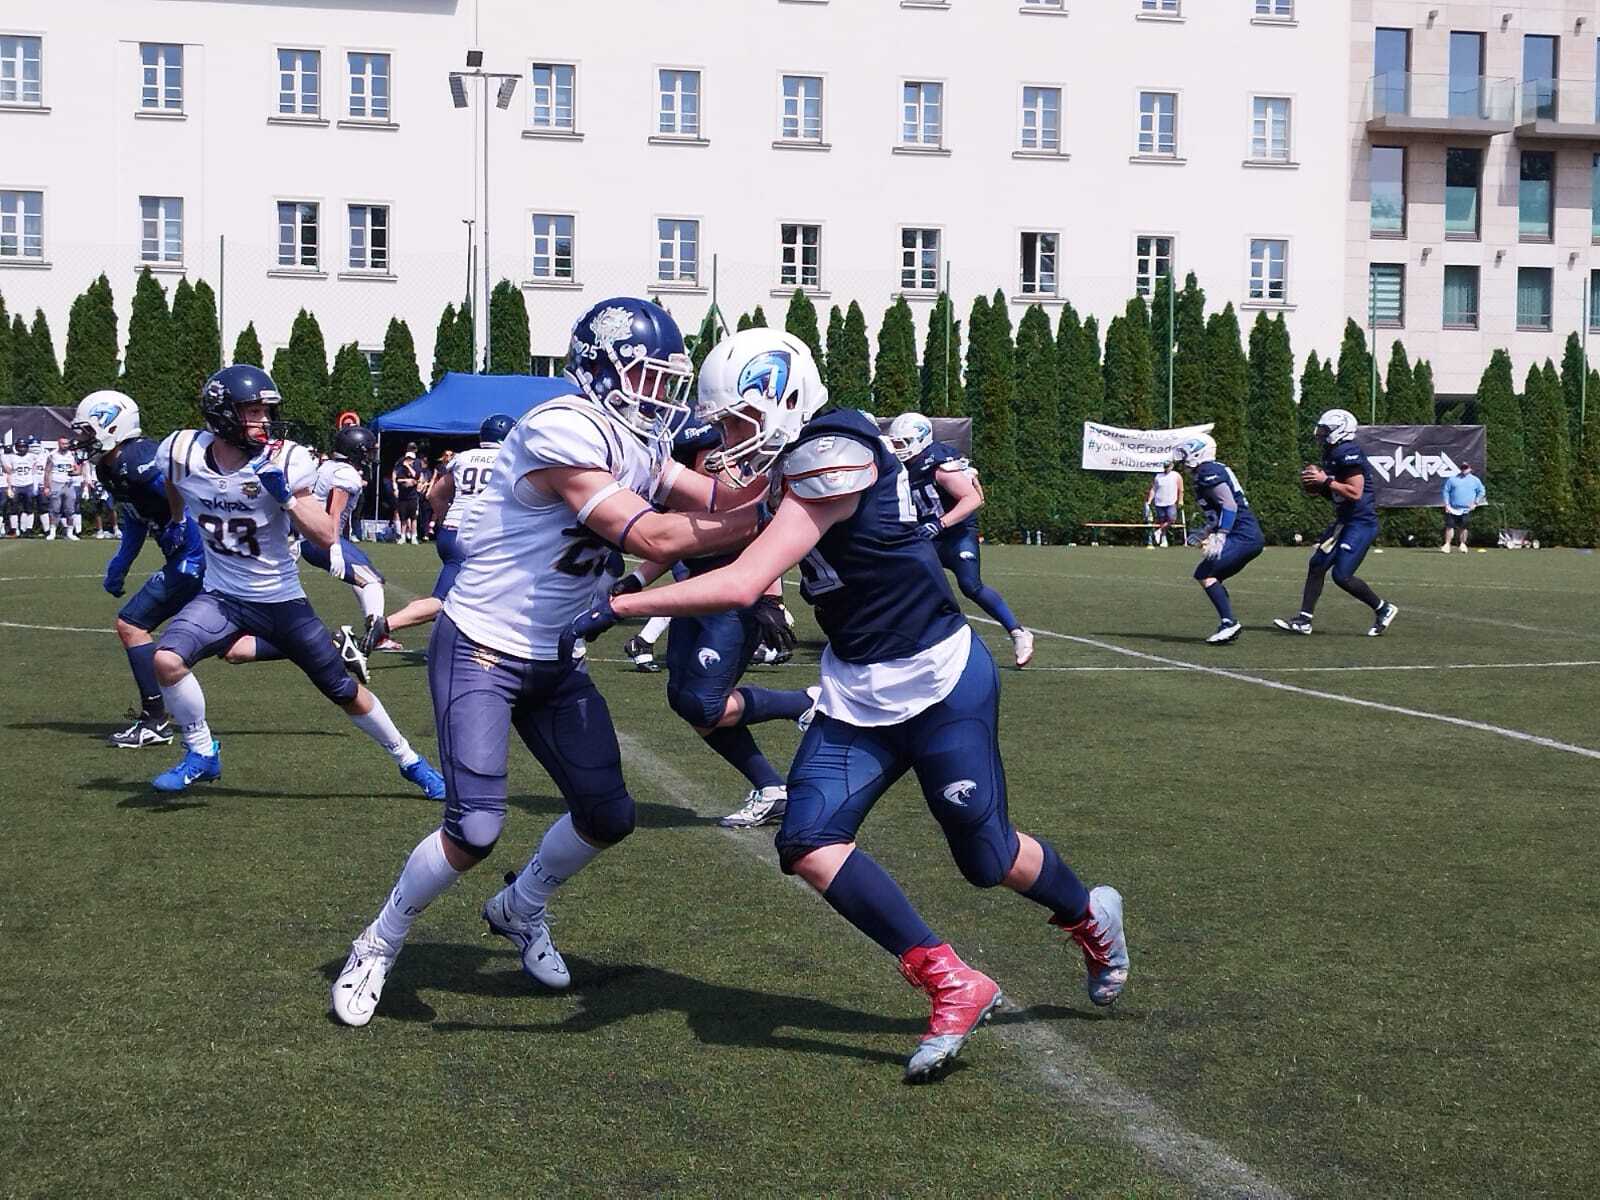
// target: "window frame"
[[21, 102], [162, 219], [1156, 155], [1550, 206], [1477, 232], [298, 116], [677, 283], [1286, 159], [161, 67], [552, 279], [678, 134], [21, 257], [297, 267], [1159, 10], [1399, 322], [1171, 239], [800, 225], [784, 139], [1550, 301], [533, 129], [921, 83], [1266, 12], [351, 268], [1266, 300], [1023, 110], [1038, 294], [1405, 203], [917, 252], [1477, 293], [349, 87]]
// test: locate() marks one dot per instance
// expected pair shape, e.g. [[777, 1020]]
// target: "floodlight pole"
[[949, 310], [1372, 349], [1583, 383], [1172, 304], [508, 86]]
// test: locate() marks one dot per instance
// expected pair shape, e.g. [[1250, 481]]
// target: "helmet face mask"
[[232, 389], [1194, 452], [909, 435]]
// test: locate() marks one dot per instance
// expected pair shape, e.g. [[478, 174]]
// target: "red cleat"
[[962, 999]]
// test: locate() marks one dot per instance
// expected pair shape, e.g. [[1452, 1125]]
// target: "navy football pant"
[[212, 622], [452, 556], [958, 551], [706, 657], [162, 597], [1341, 549], [1237, 554]]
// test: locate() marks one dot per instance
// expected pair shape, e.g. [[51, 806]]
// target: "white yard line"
[[53, 628], [1587, 662]]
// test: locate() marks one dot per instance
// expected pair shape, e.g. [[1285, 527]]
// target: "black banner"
[[953, 431], [1411, 462], [46, 424]]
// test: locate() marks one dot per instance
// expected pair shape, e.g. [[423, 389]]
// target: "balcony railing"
[[1440, 101], [1559, 108]]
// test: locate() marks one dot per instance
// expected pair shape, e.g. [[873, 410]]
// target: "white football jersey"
[[25, 470], [250, 550], [531, 567], [63, 465], [472, 470], [336, 473]]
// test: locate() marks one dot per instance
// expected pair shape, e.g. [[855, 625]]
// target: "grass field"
[[1365, 940]]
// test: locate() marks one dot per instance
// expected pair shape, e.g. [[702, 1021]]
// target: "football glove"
[[930, 530], [377, 631], [113, 582], [1212, 546], [628, 585], [777, 627], [588, 626], [272, 479]]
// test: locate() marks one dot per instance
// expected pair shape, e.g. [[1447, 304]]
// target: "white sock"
[[377, 726], [186, 704], [77, 522], [426, 876], [371, 597], [654, 628], [561, 855]]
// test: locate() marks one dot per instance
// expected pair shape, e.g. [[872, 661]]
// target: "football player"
[[1233, 537], [578, 479], [457, 485], [947, 495], [905, 687], [339, 483], [66, 492], [250, 491], [1345, 477], [24, 471]]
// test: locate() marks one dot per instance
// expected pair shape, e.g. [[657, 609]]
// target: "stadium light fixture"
[[474, 58], [508, 86], [458, 90]]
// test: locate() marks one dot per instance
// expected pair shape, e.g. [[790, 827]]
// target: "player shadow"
[[648, 814], [98, 730], [139, 795]]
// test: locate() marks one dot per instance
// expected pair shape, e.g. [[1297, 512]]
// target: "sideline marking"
[[53, 628], [1587, 662]]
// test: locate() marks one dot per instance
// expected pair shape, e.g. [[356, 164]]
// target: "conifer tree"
[[444, 345], [939, 369], [300, 370], [850, 372], [801, 321], [194, 331], [509, 346], [979, 351], [399, 380], [91, 362], [1078, 376], [247, 347], [1039, 484], [7, 352], [350, 386], [1404, 526], [1229, 375], [895, 384], [1355, 377], [40, 382], [834, 352], [150, 367], [1427, 401], [1549, 492], [758, 319], [1586, 471], [17, 349], [1500, 413], [743, 323], [1274, 455], [1573, 367], [1163, 342], [994, 435], [1191, 400]]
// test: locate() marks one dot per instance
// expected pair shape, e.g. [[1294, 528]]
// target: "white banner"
[[1107, 448]]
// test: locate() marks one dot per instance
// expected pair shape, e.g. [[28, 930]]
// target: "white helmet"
[[1335, 426], [104, 420], [1195, 451], [764, 381], [909, 435]]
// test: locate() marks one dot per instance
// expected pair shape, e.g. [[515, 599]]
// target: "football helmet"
[[760, 386], [496, 428], [1194, 451], [355, 444], [628, 355], [909, 435], [224, 392], [1335, 426]]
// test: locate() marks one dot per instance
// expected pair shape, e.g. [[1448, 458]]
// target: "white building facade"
[[310, 156]]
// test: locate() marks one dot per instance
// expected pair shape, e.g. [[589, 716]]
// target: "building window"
[[1057, 4], [552, 246], [1539, 76], [1283, 9], [369, 86], [1461, 297], [1388, 191], [297, 234], [678, 259], [550, 97], [299, 83], [919, 260], [1535, 192], [1391, 72], [802, 108], [1041, 119], [161, 72], [1158, 123], [374, 366], [1533, 298], [20, 76], [1039, 263], [799, 255], [161, 229], [1594, 198], [1386, 294], [1594, 301], [22, 225], [1463, 181], [922, 114], [1169, 7], [369, 237], [678, 103], [1466, 75], [1152, 260], [1269, 129], [1269, 270]]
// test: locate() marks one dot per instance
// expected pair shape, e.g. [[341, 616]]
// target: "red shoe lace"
[[1091, 939]]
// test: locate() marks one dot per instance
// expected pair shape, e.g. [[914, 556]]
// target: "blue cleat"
[[425, 777], [192, 768]]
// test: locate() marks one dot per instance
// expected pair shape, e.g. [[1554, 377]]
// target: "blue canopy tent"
[[460, 403]]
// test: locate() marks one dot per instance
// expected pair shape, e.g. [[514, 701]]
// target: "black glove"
[[627, 585], [773, 618], [377, 631]]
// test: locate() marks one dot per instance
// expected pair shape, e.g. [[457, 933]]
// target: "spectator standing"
[[426, 473], [405, 477], [1462, 493], [1165, 497]]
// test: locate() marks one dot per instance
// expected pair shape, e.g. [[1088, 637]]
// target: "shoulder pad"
[[833, 465], [953, 462]]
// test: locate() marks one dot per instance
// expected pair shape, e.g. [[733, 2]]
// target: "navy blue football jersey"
[[877, 588], [688, 444], [139, 488], [925, 490], [1208, 479], [1345, 461]]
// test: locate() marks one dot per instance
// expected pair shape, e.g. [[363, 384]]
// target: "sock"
[[266, 651], [1218, 595], [1058, 887], [77, 522], [1308, 598], [738, 748], [561, 855], [187, 704], [654, 628], [426, 876], [769, 704], [371, 597], [1358, 588], [864, 894], [989, 600], [377, 726], [142, 659]]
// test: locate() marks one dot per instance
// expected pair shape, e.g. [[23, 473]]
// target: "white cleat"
[[350, 653], [360, 984], [1385, 617], [540, 958], [1022, 643], [763, 806], [1226, 632], [804, 719], [71, 537], [51, 536]]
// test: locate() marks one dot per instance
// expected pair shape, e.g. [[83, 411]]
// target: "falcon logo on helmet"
[[909, 435], [1195, 451], [760, 386]]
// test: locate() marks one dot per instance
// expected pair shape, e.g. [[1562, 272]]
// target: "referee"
[[1462, 494]]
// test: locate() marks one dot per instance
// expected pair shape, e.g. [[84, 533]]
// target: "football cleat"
[[963, 999], [1225, 633], [804, 719], [360, 984], [1385, 617], [644, 659], [71, 537], [763, 806], [1293, 624], [1104, 943], [192, 768], [350, 653], [425, 777], [1022, 643], [541, 960], [145, 731], [770, 656]]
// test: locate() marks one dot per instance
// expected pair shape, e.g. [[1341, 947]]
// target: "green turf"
[[1366, 946]]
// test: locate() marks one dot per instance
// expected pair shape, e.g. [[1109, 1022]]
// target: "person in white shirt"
[[1165, 498], [63, 509]]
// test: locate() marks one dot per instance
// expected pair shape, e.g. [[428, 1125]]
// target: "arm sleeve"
[[1221, 495], [134, 531]]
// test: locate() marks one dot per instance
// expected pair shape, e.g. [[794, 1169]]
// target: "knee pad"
[[695, 706], [604, 820], [980, 863], [479, 831]]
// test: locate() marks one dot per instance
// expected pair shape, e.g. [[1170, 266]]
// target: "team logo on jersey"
[[251, 489], [708, 658], [959, 792], [767, 373]]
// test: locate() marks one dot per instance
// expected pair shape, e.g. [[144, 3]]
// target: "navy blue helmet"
[[496, 428], [355, 444], [225, 391], [628, 355]]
